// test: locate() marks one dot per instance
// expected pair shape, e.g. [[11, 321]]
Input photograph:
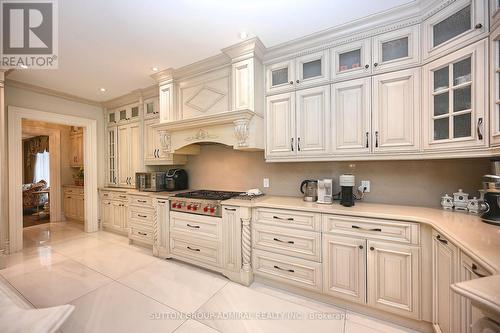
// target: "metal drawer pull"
[[230, 209], [474, 269], [281, 218], [291, 144], [144, 216], [283, 269], [374, 229], [190, 248], [282, 241], [122, 196], [444, 241], [161, 201], [479, 128], [142, 233], [143, 201], [193, 226]]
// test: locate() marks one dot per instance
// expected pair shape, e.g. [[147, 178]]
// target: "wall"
[[419, 183], [31, 100]]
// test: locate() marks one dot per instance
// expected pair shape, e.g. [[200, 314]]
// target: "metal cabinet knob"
[[372, 248], [478, 26], [361, 247]]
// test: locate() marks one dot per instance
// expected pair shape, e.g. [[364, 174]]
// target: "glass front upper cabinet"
[[151, 108], [396, 49], [455, 24], [312, 69], [351, 60], [111, 156], [456, 84], [495, 86], [280, 77]]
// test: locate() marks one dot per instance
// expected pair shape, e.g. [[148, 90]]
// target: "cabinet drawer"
[[289, 218], [74, 191], [196, 225], [293, 242], [140, 234], [205, 251], [119, 196], [298, 272], [141, 214], [399, 231], [140, 200]]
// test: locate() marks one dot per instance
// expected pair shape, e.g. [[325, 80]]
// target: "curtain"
[[31, 148], [42, 168]]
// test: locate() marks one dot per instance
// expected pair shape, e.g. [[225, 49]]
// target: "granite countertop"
[[479, 240]]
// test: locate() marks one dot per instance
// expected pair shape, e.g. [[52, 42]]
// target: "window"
[[42, 168]]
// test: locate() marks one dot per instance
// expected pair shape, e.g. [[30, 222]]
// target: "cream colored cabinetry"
[[151, 108], [297, 123], [351, 60], [154, 154], [444, 274], [301, 72], [76, 140], [129, 153], [161, 226], [112, 147], [455, 95], [377, 115], [74, 203], [495, 86], [125, 114], [167, 102], [449, 29], [114, 211], [141, 216]]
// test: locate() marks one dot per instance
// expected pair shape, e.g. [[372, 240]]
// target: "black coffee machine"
[[491, 195]]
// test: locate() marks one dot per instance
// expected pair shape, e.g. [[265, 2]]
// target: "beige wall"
[[419, 183]]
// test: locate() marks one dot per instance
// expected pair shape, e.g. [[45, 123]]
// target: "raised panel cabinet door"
[[161, 243], [151, 109], [312, 69], [105, 212], [450, 28], [166, 102], [351, 60], [116, 215], [396, 111], [124, 217], [243, 84], [344, 272], [280, 77], [135, 155], [351, 117], [495, 86], [454, 97], [393, 274], [151, 149], [231, 238], [280, 125], [444, 274], [123, 137], [313, 116], [396, 49]]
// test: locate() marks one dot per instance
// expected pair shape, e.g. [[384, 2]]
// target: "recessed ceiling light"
[[23, 66], [155, 69], [102, 89], [243, 35]]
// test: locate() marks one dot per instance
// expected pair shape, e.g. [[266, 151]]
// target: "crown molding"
[[203, 66], [50, 92], [134, 96], [163, 76], [252, 47]]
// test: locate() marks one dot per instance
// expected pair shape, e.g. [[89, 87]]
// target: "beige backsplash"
[[419, 183]]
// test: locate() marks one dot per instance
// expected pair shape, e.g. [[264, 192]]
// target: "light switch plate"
[[266, 183]]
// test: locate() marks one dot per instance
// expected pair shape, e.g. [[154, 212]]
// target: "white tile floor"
[[120, 288]]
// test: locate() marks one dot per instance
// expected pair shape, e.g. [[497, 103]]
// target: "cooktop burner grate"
[[208, 195]]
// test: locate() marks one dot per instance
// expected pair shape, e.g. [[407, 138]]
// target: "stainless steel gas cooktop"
[[201, 202]]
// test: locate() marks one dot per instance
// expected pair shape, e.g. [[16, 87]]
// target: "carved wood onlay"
[[242, 131], [246, 244], [165, 141], [200, 135]]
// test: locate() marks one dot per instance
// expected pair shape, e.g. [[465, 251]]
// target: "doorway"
[[89, 136]]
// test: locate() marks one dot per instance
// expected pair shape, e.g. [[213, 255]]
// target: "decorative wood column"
[[4, 221]]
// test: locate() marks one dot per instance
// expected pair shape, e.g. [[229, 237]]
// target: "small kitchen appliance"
[[325, 189], [201, 202], [310, 190], [491, 185], [150, 181], [347, 182], [176, 180]]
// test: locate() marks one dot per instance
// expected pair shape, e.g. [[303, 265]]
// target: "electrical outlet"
[[266, 183], [365, 184]]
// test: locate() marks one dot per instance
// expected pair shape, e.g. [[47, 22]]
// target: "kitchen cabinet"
[[351, 116], [297, 123], [468, 314], [351, 60], [452, 27], [114, 212], [74, 203], [129, 153], [166, 96], [245, 78], [396, 111], [495, 87], [344, 267], [76, 143], [231, 239], [393, 277], [444, 274], [152, 146], [455, 96], [151, 108], [301, 72], [161, 243], [112, 146], [124, 115]]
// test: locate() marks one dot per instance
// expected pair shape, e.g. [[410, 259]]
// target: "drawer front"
[[207, 252], [139, 200], [141, 225], [287, 241], [196, 225], [143, 215], [141, 234], [119, 196], [74, 191], [289, 218], [298, 272], [398, 231]]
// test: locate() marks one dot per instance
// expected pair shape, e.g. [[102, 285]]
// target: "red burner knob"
[[195, 207], [174, 205], [189, 207], [205, 209], [212, 210]]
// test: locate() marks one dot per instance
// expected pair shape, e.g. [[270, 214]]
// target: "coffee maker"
[[347, 183], [325, 189], [491, 195]]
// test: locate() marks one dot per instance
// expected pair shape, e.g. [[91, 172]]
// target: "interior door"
[[351, 116], [344, 267], [396, 111], [313, 116], [393, 278], [280, 122]]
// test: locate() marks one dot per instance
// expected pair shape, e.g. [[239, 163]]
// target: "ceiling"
[[114, 43]]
